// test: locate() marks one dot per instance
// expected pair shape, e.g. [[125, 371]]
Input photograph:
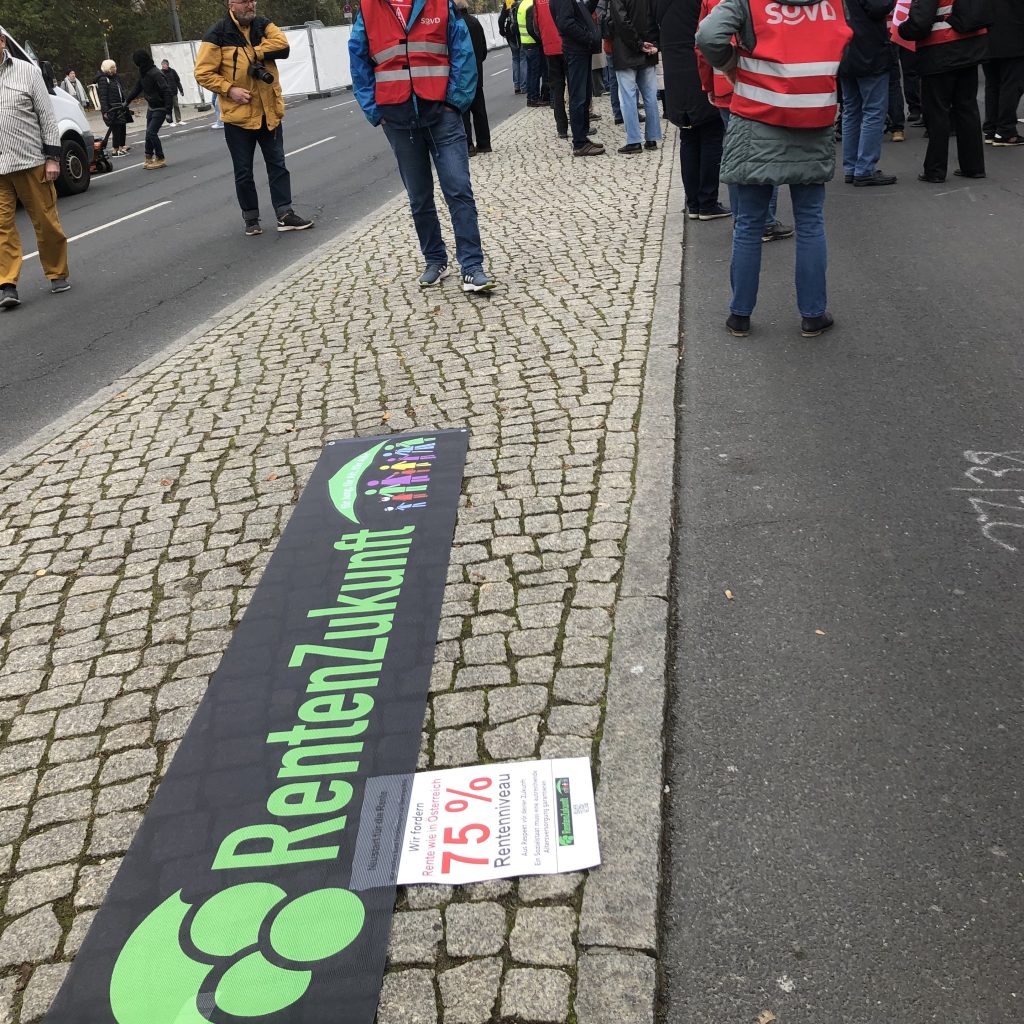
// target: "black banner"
[[235, 901]]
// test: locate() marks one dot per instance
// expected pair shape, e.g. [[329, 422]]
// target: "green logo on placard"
[[343, 487], [156, 982], [563, 800]]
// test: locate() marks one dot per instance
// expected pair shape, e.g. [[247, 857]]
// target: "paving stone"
[[574, 719], [408, 997], [42, 990], [8, 990], [566, 746], [123, 797], [496, 597], [423, 897], [615, 988], [30, 938], [483, 677], [580, 685], [133, 735], [93, 883], [12, 823], [20, 757], [55, 846], [535, 888], [514, 740], [454, 709], [484, 650], [127, 765], [415, 936], [17, 790], [581, 650], [130, 708], [39, 887], [66, 777], [536, 670], [534, 994], [113, 833], [79, 928], [544, 935], [516, 702], [474, 929], [78, 721], [30, 727], [453, 747], [469, 992]]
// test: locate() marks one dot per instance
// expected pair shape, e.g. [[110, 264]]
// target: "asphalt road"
[[846, 819], [154, 253]]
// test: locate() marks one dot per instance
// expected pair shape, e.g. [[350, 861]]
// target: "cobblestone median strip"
[[131, 543]]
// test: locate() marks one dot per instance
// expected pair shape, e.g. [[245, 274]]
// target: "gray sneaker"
[[434, 274], [252, 227], [9, 297], [476, 281], [60, 284]]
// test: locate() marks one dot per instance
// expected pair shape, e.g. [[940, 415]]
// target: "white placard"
[[480, 822]]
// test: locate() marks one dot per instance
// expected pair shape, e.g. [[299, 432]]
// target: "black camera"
[[258, 70]]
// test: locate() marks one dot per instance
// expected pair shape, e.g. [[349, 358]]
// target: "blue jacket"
[[415, 113]]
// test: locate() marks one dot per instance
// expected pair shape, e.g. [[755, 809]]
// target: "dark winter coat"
[[632, 25], [1006, 36], [868, 53], [576, 26], [110, 90], [151, 84], [479, 39], [173, 80], [934, 60], [686, 103]]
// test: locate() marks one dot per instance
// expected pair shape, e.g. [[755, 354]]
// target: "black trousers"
[[895, 119], [1004, 86], [577, 72], [911, 81], [556, 80], [952, 96], [700, 154], [478, 114]]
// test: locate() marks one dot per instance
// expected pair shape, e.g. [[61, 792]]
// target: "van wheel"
[[74, 169]]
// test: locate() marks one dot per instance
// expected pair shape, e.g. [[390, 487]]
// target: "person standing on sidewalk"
[[947, 61], [507, 29], [29, 165], [635, 59], [1004, 74], [533, 54], [864, 76], [74, 87], [551, 42], [157, 92], [581, 39], [237, 61], [784, 104], [414, 72], [475, 119], [177, 89]]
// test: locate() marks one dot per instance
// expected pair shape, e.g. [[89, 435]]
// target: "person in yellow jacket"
[[237, 61]]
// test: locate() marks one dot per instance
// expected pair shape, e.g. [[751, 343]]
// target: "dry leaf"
[[766, 1017], [385, 417], [273, 476], [728, 594], [820, 632], [40, 572], [165, 483]]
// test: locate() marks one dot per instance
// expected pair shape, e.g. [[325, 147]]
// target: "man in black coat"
[[1004, 73], [476, 116], [174, 81], [864, 72], [687, 107], [157, 91], [580, 41]]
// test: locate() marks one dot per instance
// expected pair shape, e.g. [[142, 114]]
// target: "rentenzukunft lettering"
[[323, 746]]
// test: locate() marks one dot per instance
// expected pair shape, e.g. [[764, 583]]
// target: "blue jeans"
[[517, 80], [865, 102], [611, 83], [445, 142], [773, 206], [534, 56], [519, 59], [644, 81], [751, 212], [242, 143], [154, 121]]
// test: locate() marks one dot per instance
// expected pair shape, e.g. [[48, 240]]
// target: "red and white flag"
[[899, 15]]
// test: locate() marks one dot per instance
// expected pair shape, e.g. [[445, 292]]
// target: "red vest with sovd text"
[[407, 59], [943, 32], [790, 78]]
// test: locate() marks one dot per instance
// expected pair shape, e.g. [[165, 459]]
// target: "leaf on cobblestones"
[[40, 572], [729, 594], [385, 417], [766, 1017], [272, 476]]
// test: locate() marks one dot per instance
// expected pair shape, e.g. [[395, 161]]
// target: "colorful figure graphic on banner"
[[407, 466]]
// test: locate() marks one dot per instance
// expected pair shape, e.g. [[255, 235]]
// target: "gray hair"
[[108, 67]]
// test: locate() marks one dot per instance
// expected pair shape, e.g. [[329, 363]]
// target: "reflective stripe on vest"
[[408, 59], [790, 78], [943, 32]]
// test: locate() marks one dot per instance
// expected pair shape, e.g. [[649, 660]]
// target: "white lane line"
[[334, 106], [113, 223], [330, 138], [120, 170], [501, 72]]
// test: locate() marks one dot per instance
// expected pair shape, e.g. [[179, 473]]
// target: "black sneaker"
[[252, 227], [1009, 140], [650, 144], [775, 231], [713, 212], [59, 284], [631, 147], [989, 138], [589, 149], [915, 121], [812, 326], [878, 178], [9, 296], [738, 326], [848, 178], [693, 214], [291, 221]]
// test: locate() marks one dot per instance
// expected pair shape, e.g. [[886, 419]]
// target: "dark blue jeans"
[[242, 143], [534, 57], [154, 122], [577, 73], [445, 143]]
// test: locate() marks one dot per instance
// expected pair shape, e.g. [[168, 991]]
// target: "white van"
[[76, 139]]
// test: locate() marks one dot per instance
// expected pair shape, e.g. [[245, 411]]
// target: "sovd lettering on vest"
[[791, 14]]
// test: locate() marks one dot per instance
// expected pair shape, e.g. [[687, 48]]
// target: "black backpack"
[[971, 15]]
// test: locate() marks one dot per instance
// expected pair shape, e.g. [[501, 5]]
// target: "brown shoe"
[[589, 149], [159, 162]]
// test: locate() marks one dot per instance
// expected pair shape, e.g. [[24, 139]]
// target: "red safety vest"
[[790, 78], [712, 81], [407, 59], [943, 32]]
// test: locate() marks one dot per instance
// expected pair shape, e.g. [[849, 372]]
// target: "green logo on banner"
[[343, 487], [156, 982]]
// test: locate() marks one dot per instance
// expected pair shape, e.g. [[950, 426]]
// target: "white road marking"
[[113, 223], [330, 138], [130, 167], [334, 106], [501, 72]]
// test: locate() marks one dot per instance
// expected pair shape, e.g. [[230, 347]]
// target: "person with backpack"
[[950, 46], [476, 116], [551, 42], [530, 45], [507, 30]]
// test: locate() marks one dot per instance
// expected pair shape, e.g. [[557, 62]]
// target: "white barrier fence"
[[318, 62]]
